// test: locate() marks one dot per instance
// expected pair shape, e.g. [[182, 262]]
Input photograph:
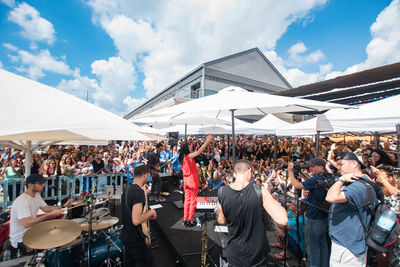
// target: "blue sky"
[[123, 52]]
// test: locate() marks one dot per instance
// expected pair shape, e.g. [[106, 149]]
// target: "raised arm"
[[274, 208], [200, 150]]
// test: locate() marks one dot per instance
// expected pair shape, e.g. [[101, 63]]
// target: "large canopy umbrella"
[[377, 117], [268, 125], [237, 101], [32, 111]]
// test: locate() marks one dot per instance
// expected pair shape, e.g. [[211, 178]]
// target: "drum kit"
[[92, 240]]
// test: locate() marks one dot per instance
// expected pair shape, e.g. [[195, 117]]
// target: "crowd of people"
[[295, 174]]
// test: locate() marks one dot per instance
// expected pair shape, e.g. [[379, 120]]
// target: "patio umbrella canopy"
[[237, 101], [377, 117], [32, 111], [268, 125]]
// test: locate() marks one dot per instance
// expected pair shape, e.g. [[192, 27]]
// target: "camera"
[[298, 166]]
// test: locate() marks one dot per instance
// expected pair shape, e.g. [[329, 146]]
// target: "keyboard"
[[206, 203]]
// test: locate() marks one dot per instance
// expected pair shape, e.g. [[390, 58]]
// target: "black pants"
[[14, 251], [156, 186], [11, 196], [138, 256]]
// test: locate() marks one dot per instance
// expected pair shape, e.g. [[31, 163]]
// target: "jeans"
[[316, 235]]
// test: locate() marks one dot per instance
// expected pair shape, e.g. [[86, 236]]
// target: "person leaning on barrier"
[[24, 212], [316, 221]]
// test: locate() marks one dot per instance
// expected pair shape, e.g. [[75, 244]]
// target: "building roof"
[[209, 64], [365, 86]]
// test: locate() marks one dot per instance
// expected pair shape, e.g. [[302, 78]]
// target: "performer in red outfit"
[[190, 178]]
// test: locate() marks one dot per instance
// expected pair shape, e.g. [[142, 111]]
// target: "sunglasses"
[[374, 155]]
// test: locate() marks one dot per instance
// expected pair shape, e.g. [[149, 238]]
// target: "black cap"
[[317, 162], [34, 178], [352, 156]]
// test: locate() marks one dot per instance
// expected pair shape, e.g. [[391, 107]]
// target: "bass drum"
[[67, 255], [99, 248]]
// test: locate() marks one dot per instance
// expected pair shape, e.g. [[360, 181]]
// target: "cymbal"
[[101, 223], [72, 243], [100, 212], [51, 234]]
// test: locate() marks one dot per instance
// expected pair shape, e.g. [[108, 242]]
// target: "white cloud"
[[81, 86], [34, 27], [33, 64], [295, 76], [384, 48], [10, 3], [133, 103], [116, 80], [1, 65], [10, 47], [298, 57], [169, 38], [296, 49]]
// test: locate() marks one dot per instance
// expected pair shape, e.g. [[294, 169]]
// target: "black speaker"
[[173, 138]]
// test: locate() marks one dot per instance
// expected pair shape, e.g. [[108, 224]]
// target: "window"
[[195, 91]]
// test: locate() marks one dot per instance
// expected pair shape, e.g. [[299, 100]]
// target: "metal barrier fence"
[[63, 187]]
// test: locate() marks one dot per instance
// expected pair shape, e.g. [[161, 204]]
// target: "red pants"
[[191, 192]]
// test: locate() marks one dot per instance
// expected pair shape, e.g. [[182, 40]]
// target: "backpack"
[[376, 212], [269, 224]]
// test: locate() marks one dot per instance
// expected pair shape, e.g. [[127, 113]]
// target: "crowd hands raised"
[[215, 169]]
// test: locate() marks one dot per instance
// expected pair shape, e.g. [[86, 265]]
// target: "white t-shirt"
[[23, 206]]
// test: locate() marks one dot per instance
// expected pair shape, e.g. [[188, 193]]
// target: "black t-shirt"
[[247, 244], [131, 235], [97, 166], [154, 160]]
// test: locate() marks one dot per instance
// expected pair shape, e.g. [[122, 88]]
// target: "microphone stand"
[[286, 231]]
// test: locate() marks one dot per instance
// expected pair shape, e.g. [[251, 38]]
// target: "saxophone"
[[204, 244]]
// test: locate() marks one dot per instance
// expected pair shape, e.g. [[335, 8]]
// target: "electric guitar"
[[145, 225]]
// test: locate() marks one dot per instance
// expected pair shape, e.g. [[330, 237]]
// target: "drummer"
[[24, 212]]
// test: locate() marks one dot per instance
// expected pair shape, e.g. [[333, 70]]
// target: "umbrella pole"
[[377, 140], [233, 137], [28, 158], [317, 144], [185, 132], [275, 149], [398, 144]]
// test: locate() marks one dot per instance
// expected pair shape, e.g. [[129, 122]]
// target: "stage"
[[185, 243]]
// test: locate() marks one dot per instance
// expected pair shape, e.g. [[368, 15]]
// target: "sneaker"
[[161, 199]]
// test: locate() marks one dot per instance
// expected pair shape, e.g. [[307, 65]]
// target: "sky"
[[118, 54]]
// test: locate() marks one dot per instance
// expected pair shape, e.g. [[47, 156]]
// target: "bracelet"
[[341, 180]]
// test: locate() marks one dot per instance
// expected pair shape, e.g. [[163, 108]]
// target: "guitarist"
[[133, 234], [155, 169]]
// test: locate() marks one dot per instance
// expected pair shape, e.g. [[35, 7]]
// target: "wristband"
[[341, 180]]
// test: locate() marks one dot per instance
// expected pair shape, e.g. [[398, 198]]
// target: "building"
[[249, 69], [353, 89]]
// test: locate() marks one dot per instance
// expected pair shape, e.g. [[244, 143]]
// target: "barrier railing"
[[63, 187]]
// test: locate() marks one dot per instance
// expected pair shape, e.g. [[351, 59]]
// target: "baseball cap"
[[34, 178], [317, 162], [352, 156]]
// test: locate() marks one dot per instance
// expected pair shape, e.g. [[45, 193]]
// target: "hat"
[[34, 178], [317, 162], [352, 156]]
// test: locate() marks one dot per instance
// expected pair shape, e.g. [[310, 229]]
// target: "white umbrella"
[[305, 128], [237, 101], [377, 117], [268, 125], [32, 111]]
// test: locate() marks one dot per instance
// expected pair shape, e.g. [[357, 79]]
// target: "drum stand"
[[110, 262]]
